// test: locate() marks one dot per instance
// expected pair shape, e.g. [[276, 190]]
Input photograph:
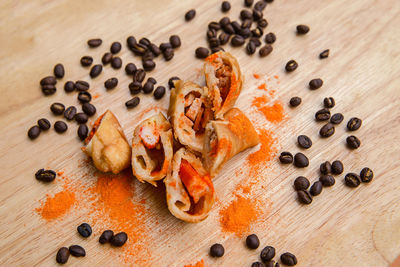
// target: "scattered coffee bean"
[[315, 84], [94, 42], [82, 131], [168, 54], [354, 124], [116, 63], [272, 264], [171, 82], [286, 157], [304, 141], [69, 86], [202, 52], [295, 101], [327, 180], [213, 25], [327, 130], [352, 180], [59, 71], [130, 41], [217, 250], [260, 5], [257, 264], [301, 183], [130, 68], [304, 197], [111, 83], [115, 47], [224, 38], [86, 61], [60, 126], [288, 259], [57, 108], [190, 15], [148, 87], [256, 41], [144, 41], [77, 251], [135, 88], [257, 32], [237, 40], [246, 14], [252, 241], [81, 117], [44, 124], [323, 114], [140, 74], [324, 54], [265, 50], [84, 97], [62, 255], [337, 118], [257, 15], [152, 80], [164, 46], [89, 109], [106, 236], [316, 188], [337, 167], [353, 142], [291, 66], [84, 230], [96, 70], [175, 41], [49, 80], [159, 92], [155, 50], [139, 49], [148, 55], [300, 160], [226, 6], [228, 28], [69, 113], [119, 239], [366, 175], [302, 29], [267, 254], [149, 65], [251, 48], [248, 3], [107, 57], [213, 42], [45, 175], [262, 23], [329, 102], [133, 102], [48, 89], [82, 86], [270, 38], [325, 168]]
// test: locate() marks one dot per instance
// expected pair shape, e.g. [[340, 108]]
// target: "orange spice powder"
[[263, 87], [266, 153], [272, 113], [197, 264], [257, 76], [58, 205]]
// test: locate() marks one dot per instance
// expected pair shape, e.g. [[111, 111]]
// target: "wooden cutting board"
[[342, 227]]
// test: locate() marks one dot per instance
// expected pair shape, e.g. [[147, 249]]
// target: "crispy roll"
[[152, 149], [224, 81], [107, 144], [226, 138], [190, 192], [189, 114]]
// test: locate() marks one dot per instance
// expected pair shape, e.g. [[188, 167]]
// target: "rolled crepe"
[[226, 138], [190, 192], [107, 144], [152, 149], [224, 81]]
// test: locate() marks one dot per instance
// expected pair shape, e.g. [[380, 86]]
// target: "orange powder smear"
[[266, 152], [272, 113], [96, 95], [263, 87], [197, 264], [257, 76], [58, 205]]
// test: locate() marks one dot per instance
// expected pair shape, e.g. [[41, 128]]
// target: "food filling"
[[223, 73], [96, 125], [196, 113], [196, 185], [213, 144]]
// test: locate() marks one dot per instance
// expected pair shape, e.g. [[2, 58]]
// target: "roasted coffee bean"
[[148, 87], [248, 3], [353, 142], [337, 167], [69, 113], [213, 25], [190, 15], [140, 74], [59, 71], [302, 29], [260, 5], [164, 46], [325, 168], [69, 86], [327, 180], [82, 132], [60, 126], [94, 42], [118, 240], [89, 109], [223, 38], [133, 102], [286, 157], [62, 255], [288, 259], [257, 32], [304, 141], [48, 89], [116, 63], [96, 70], [49, 80], [77, 251], [159, 92], [86, 61], [272, 264], [130, 68], [216, 49], [135, 87], [246, 33], [130, 41], [115, 47], [246, 14], [168, 54], [57, 108], [304, 197], [171, 81], [352, 180], [295, 101], [148, 55], [213, 42], [111, 83], [316, 188], [84, 230], [144, 41], [257, 15], [327, 130], [315, 84], [81, 117], [82, 86], [228, 28], [267, 254], [329, 102], [155, 50], [237, 40], [202, 52], [324, 54], [107, 57], [44, 124], [301, 183], [354, 124], [265, 50], [45, 175], [366, 175], [175, 41], [149, 65], [152, 80], [246, 24], [323, 115], [262, 23], [252, 241], [257, 264], [139, 49], [270, 38], [217, 250], [84, 97], [106, 236], [250, 48], [300, 160], [256, 41], [337, 118], [291, 65], [226, 6]]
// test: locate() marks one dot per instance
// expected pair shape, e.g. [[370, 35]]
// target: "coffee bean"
[[265, 50], [329, 102], [304, 141], [316, 188], [272, 264], [366, 175], [325, 168], [337, 118], [257, 15], [175, 41], [107, 57], [352, 180], [57, 108], [106, 236], [115, 47], [84, 97], [149, 65], [168, 54], [288, 259], [159, 92], [155, 50], [270, 38], [144, 41], [140, 74], [44, 124], [246, 14], [116, 63], [69, 113], [148, 87], [211, 34], [94, 42], [81, 117], [48, 89], [111, 83], [82, 86], [135, 88], [337, 167], [291, 65], [315, 84], [59, 71], [257, 32], [49, 80], [324, 54], [69, 86], [251, 48], [300, 160], [327, 180], [217, 250], [246, 24], [301, 183], [304, 197], [62, 255], [323, 115], [119, 239], [152, 80], [237, 40], [353, 142], [164, 46], [286, 157], [89, 109], [45, 175], [213, 42], [139, 49], [223, 38], [131, 41], [86, 61], [82, 131], [171, 81], [84, 230], [96, 70], [257, 264], [130, 68], [295, 101], [213, 25], [202, 52], [77, 251], [260, 5], [262, 23], [228, 28], [148, 55], [248, 3], [302, 29], [226, 6], [256, 41], [354, 124], [60, 126], [327, 130], [252, 241], [133, 102], [267, 254], [190, 15], [216, 49]]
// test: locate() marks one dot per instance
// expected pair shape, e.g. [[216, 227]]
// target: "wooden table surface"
[[342, 227]]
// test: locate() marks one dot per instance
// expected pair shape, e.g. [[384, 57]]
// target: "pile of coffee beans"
[[354, 180]]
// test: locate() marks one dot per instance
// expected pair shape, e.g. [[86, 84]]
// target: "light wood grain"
[[343, 227]]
